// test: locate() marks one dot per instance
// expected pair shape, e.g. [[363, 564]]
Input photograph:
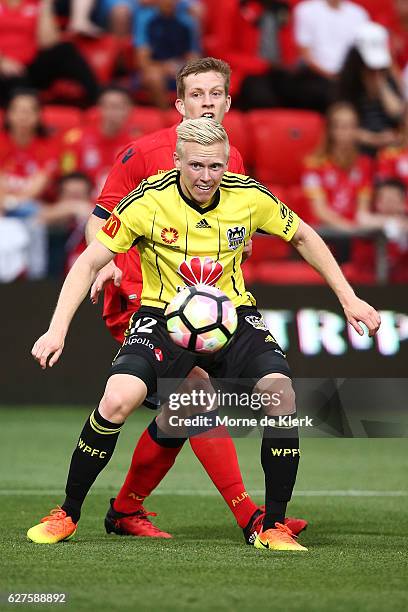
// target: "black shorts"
[[149, 353]]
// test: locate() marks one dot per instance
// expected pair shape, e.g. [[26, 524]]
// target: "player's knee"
[[116, 405], [278, 396]]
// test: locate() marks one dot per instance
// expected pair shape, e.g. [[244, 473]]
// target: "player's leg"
[[156, 452], [279, 458], [152, 458], [215, 449], [267, 366], [123, 393]]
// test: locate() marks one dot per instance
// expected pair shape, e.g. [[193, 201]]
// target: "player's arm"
[[110, 272], [274, 217], [74, 290], [127, 172], [313, 249]]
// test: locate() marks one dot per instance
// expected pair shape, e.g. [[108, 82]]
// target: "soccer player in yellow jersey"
[[196, 210]]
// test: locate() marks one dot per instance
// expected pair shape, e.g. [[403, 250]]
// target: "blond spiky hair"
[[202, 131]]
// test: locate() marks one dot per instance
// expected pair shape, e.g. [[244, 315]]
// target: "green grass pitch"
[[357, 542]]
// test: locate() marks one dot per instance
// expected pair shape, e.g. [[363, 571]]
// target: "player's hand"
[[108, 274], [247, 252], [357, 311], [50, 344]]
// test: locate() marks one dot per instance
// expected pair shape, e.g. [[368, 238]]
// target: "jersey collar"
[[194, 205]]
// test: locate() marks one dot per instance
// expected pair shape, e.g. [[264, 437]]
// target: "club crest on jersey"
[[235, 236], [112, 226], [169, 235], [200, 271], [257, 322]]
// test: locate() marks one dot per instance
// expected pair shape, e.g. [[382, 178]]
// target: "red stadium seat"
[[280, 191], [61, 118], [235, 125], [268, 248], [287, 273], [280, 140], [297, 201]]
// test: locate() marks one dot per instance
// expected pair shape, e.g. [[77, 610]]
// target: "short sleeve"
[[126, 223], [120, 231], [274, 217]]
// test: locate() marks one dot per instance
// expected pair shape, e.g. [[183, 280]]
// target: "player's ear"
[[179, 104], [227, 103], [176, 160]]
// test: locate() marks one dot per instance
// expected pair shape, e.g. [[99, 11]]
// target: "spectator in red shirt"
[[92, 149], [389, 214], [337, 179], [28, 156], [32, 53], [28, 162]]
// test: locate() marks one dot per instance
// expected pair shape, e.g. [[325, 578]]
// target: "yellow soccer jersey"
[[182, 243]]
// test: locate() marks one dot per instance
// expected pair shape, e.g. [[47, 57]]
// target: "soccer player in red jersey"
[[202, 90]]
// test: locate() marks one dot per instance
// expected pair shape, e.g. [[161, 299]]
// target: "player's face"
[[204, 97], [201, 169]]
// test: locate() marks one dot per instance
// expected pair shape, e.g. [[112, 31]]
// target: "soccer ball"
[[201, 319]]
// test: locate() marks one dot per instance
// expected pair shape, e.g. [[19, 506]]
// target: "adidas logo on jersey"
[[203, 223]]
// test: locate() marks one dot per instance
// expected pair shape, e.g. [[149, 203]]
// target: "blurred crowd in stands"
[[319, 89]]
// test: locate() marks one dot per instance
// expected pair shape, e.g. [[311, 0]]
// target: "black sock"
[[93, 451], [280, 460]]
